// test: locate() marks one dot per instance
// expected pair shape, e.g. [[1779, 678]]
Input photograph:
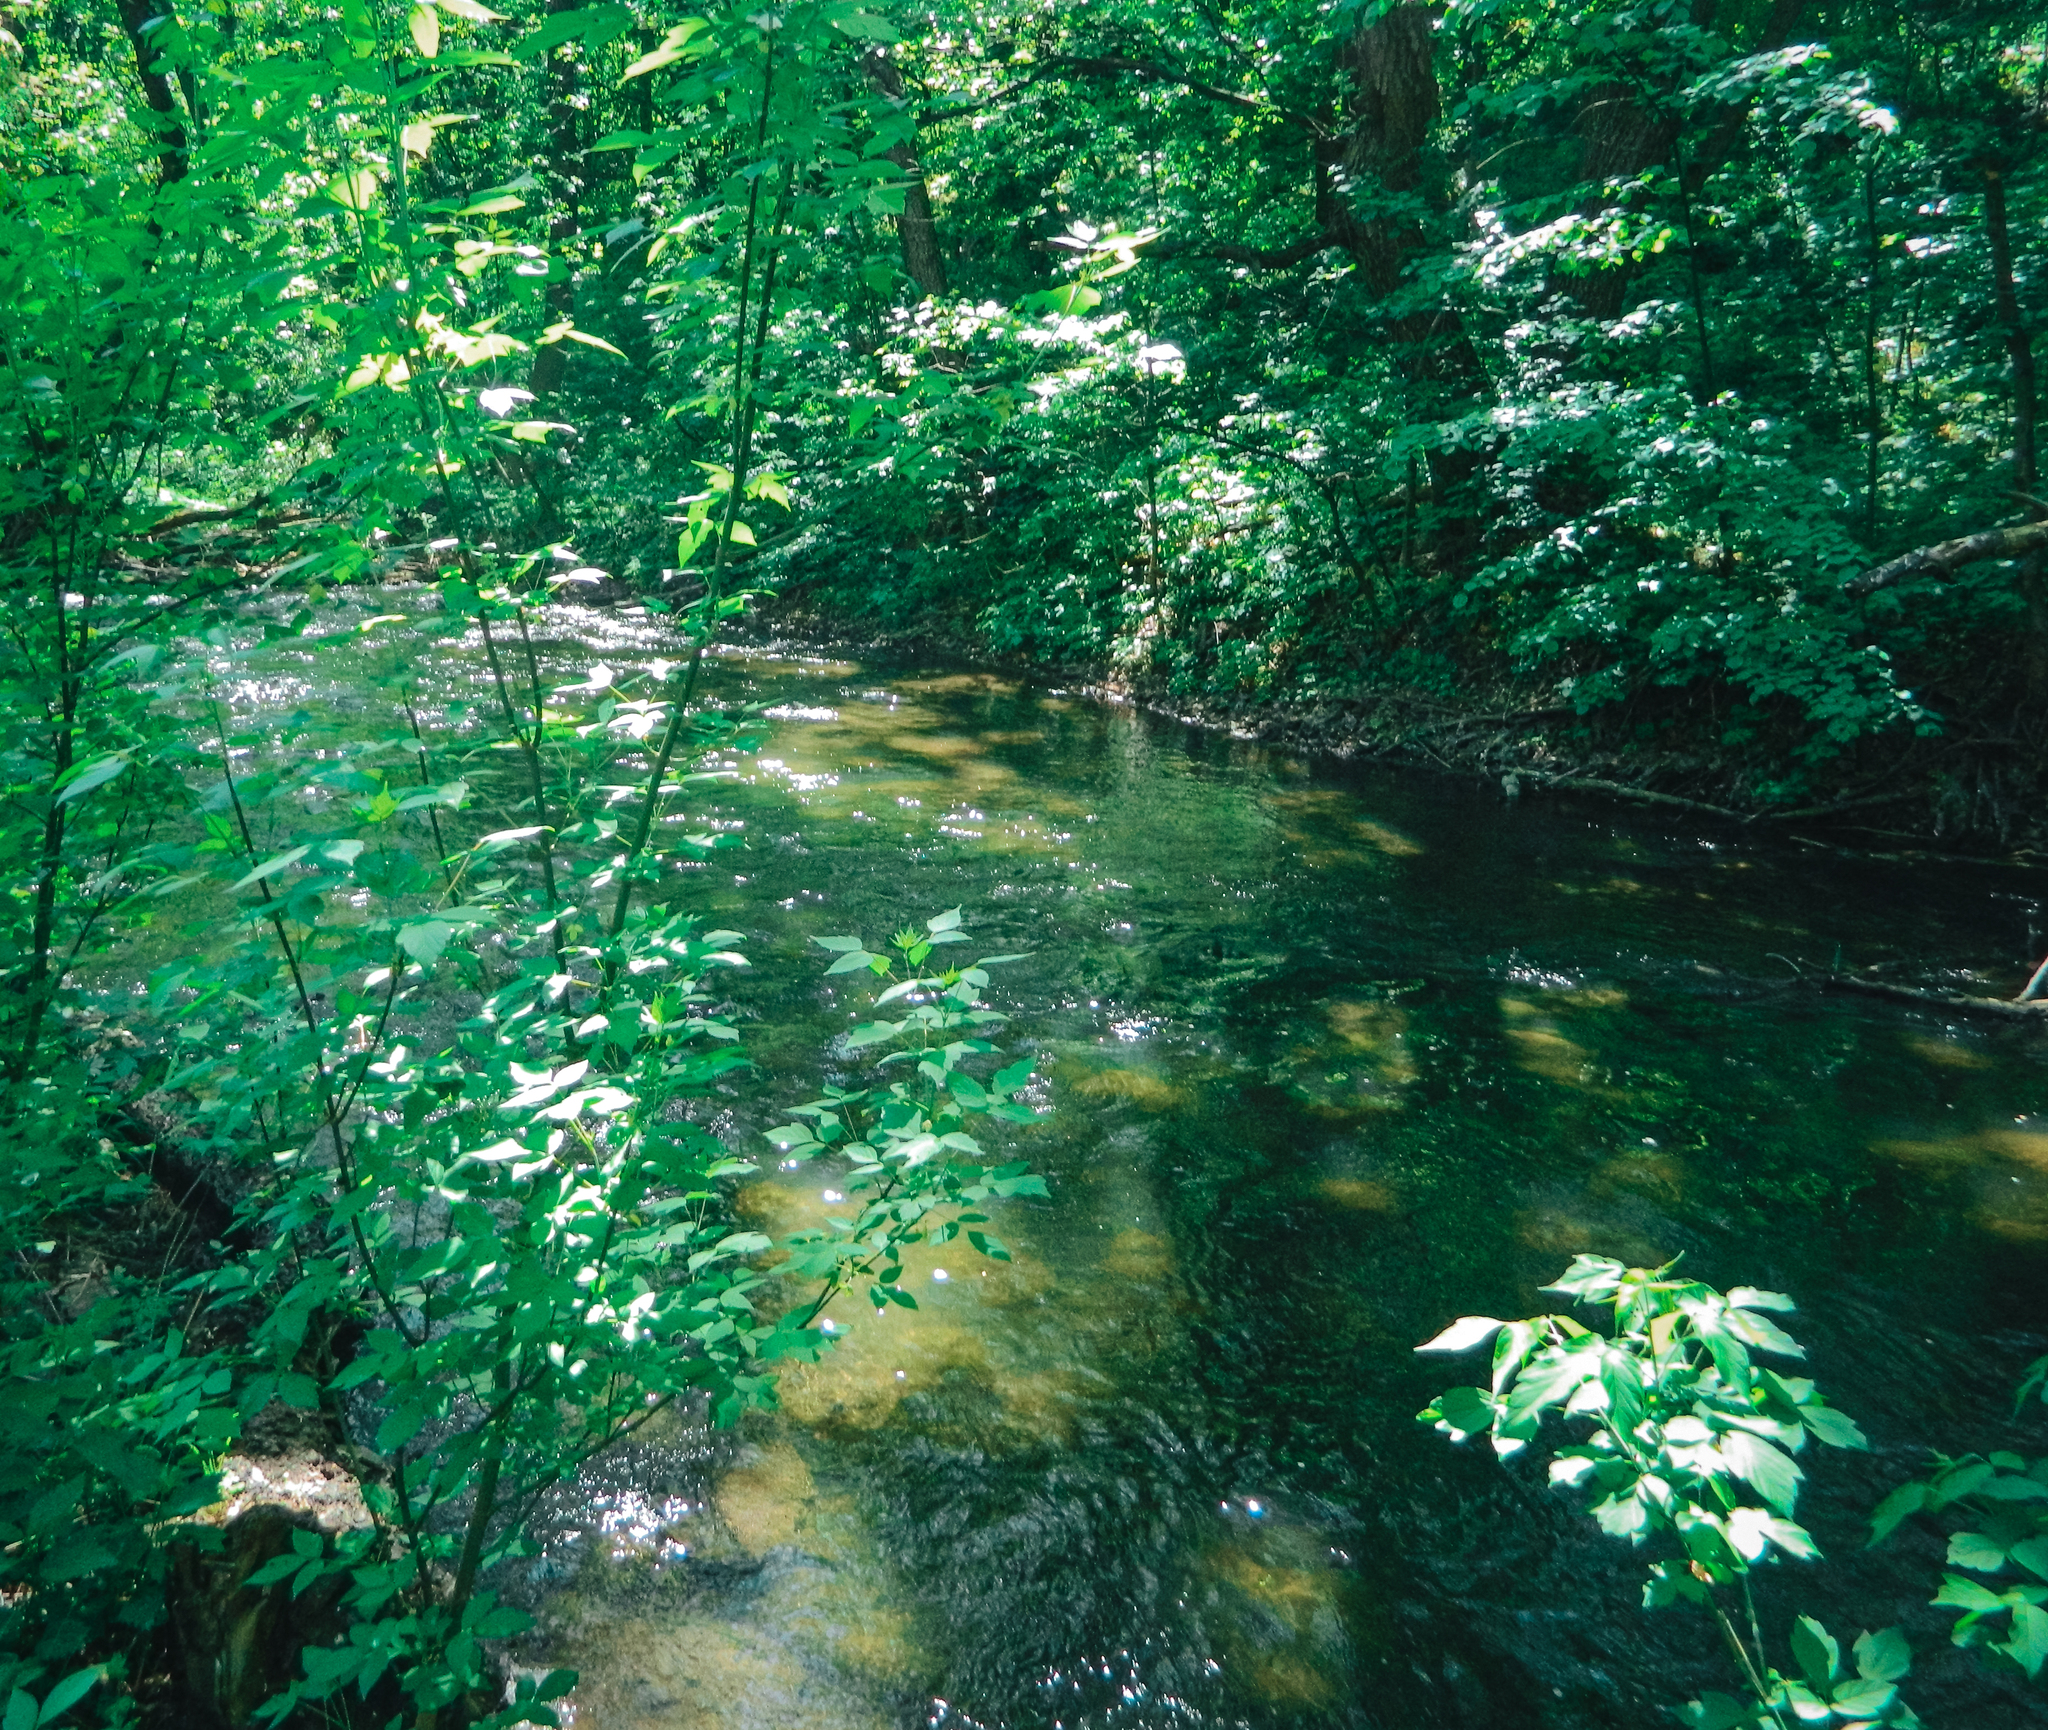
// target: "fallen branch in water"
[[1945, 556], [1956, 1000], [1621, 790]]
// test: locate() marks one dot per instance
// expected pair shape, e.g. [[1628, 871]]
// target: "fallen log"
[[1945, 556]]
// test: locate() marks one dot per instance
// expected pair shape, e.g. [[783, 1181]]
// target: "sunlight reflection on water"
[[1333, 1058]]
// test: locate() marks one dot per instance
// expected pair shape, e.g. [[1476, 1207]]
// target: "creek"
[[1335, 1055]]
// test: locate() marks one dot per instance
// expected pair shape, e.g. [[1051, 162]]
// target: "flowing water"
[[1334, 1056]]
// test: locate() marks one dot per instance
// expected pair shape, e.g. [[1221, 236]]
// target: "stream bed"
[[1334, 1055]]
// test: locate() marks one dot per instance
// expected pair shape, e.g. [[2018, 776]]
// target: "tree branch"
[[1114, 66], [1258, 257]]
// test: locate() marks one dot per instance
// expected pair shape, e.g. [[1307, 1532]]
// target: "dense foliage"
[[1608, 356], [1619, 362]]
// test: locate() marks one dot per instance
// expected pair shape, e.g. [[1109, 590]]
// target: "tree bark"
[[2019, 348], [1378, 162], [172, 150], [1946, 556], [1392, 104], [916, 228]]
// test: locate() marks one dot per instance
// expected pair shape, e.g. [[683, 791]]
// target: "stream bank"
[[1891, 796]]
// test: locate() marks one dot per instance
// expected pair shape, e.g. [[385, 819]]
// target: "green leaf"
[[425, 941], [1773, 1474], [276, 1569], [1975, 1551], [1463, 1334], [271, 867], [838, 945], [866, 27], [21, 1711], [1883, 1656], [398, 1428], [853, 962], [873, 1033], [1623, 1515], [67, 1694], [500, 1622], [1717, 1712], [95, 774], [1749, 1526], [1907, 1499], [593, 26], [1816, 1652], [674, 46], [2028, 1647], [1592, 1278], [1466, 1411], [2008, 1489], [1958, 1593], [1863, 1698], [2032, 1555], [1836, 1428]]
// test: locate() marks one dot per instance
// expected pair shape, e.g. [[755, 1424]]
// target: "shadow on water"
[[1336, 1055]]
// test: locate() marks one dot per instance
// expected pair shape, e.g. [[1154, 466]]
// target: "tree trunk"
[[565, 185], [136, 16], [916, 228], [1393, 102], [2019, 348], [2019, 345]]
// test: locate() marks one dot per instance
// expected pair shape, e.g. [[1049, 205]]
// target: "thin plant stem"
[[427, 780], [744, 397]]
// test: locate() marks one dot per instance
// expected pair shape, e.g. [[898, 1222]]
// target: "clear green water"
[[1335, 1055]]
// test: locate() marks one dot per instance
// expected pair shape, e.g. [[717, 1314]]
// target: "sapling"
[[1691, 1444]]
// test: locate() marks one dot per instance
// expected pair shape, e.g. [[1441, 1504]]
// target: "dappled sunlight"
[[814, 816], [1558, 1230], [1953, 1052], [1386, 839], [956, 1334], [1138, 1087], [1358, 1194]]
